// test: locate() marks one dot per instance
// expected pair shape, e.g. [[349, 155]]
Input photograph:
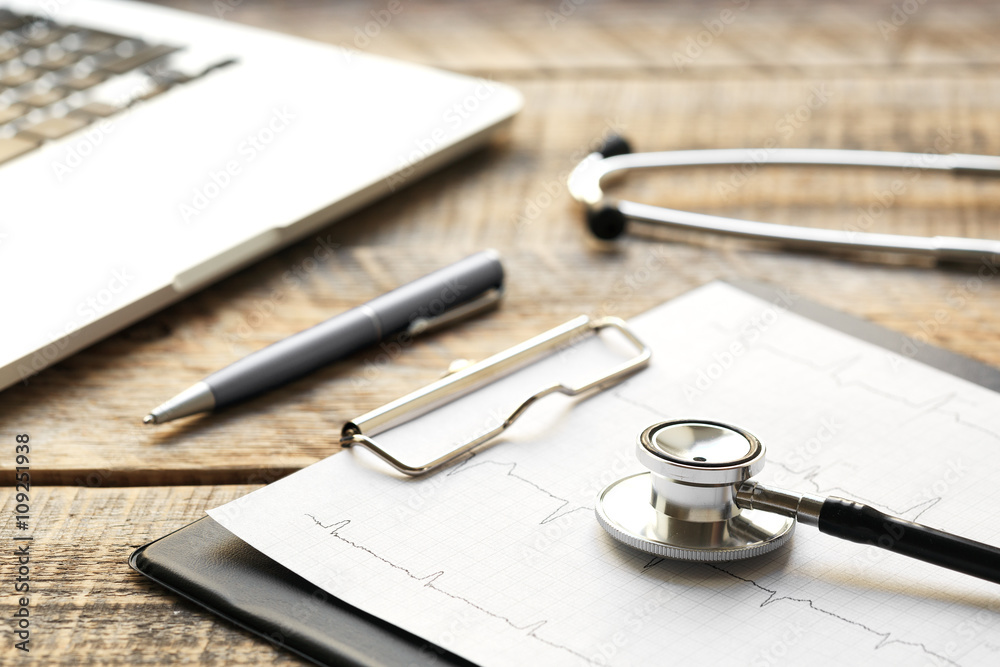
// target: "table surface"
[[857, 75]]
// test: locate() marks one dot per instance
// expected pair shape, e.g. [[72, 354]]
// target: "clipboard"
[[206, 564]]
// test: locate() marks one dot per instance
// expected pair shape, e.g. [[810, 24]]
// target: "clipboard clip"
[[475, 376]]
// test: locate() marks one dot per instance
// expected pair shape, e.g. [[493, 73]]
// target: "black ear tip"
[[614, 145], [606, 222]]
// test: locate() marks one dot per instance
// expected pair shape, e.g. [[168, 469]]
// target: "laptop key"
[[40, 34], [44, 99], [144, 55], [91, 41], [53, 128], [15, 79], [113, 71], [8, 52], [14, 146], [59, 61], [13, 112], [84, 82], [95, 110]]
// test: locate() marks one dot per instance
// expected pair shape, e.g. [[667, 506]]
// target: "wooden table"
[[669, 75]]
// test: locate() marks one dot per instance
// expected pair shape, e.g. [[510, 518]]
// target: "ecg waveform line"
[[835, 369], [466, 466], [430, 581], [885, 637], [810, 474]]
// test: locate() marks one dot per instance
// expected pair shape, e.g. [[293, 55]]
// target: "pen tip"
[[149, 419]]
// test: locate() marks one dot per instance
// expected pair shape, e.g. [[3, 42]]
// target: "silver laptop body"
[[194, 148]]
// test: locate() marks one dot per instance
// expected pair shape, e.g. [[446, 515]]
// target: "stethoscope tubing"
[[607, 218], [866, 525], [698, 501], [856, 522]]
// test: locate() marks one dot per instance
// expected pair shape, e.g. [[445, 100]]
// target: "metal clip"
[[486, 301], [477, 375]]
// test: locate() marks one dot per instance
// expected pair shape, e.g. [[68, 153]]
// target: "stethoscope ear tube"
[[860, 523], [608, 219]]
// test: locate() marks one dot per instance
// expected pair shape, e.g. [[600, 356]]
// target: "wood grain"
[[85, 413], [550, 39], [823, 74], [88, 607]]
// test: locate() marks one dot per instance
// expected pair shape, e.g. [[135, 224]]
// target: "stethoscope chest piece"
[[685, 506]]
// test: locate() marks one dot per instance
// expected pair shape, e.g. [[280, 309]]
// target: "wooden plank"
[[85, 413], [606, 66], [117, 381], [642, 38], [87, 606]]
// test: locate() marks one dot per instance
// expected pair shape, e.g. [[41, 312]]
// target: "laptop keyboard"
[[57, 79]]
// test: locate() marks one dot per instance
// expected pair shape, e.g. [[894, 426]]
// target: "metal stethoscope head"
[[608, 218], [698, 502]]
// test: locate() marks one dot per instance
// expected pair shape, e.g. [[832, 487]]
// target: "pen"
[[444, 296]]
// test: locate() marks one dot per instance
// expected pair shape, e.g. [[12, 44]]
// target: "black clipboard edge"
[[206, 564]]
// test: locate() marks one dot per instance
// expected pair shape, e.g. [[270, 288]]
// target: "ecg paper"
[[501, 560]]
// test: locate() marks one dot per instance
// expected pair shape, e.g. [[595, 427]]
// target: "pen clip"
[[486, 301]]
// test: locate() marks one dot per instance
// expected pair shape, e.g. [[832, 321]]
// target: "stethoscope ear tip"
[[606, 222], [614, 145]]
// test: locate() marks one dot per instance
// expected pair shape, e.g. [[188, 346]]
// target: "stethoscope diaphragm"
[[698, 502], [685, 507]]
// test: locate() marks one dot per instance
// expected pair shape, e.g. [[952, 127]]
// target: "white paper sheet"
[[501, 560]]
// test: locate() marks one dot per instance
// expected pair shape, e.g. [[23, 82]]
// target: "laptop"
[[146, 153]]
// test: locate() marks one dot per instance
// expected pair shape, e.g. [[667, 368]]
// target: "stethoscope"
[[697, 502], [607, 218]]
